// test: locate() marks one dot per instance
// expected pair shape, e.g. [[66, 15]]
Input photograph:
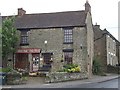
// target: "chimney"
[[97, 26], [21, 12], [87, 7]]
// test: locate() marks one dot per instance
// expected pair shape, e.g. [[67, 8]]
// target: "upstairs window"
[[24, 37], [108, 44], [68, 35], [114, 45]]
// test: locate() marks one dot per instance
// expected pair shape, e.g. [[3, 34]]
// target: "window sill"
[[68, 43], [24, 44], [68, 50]]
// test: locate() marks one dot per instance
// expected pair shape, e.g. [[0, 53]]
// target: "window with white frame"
[[68, 35], [24, 37]]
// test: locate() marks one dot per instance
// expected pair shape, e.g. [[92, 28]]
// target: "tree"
[[9, 38], [0, 41], [0, 46]]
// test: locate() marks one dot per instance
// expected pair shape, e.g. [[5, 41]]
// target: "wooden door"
[[21, 61]]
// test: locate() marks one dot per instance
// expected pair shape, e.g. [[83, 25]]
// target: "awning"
[[28, 50]]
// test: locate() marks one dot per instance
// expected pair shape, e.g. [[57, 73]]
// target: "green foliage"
[[5, 70], [96, 66], [24, 78], [0, 37], [70, 68], [9, 36], [0, 43]]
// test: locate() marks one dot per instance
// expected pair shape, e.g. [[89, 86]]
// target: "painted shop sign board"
[[28, 50]]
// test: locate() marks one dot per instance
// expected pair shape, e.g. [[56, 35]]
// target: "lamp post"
[[45, 42]]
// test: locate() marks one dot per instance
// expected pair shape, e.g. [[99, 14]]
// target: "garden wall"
[[113, 69], [62, 76]]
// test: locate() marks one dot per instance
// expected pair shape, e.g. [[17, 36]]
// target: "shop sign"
[[28, 50]]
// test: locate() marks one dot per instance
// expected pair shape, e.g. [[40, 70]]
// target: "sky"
[[104, 12]]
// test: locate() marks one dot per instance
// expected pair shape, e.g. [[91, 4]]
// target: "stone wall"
[[62, 76], [90, 42], [55, 44], [119, 55], [54, 37], [111, 51], [113, 69], [100, 47], [13, 78]]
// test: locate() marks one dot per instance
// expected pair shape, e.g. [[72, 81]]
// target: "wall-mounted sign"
[[28, 50]]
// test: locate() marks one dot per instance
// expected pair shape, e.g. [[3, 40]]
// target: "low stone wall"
[[14, 79], [62, 76], [113, 69]]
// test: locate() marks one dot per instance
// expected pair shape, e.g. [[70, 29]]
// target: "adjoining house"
[[119, 55], [112, 49], [118, 51], [48, 41], [106, 48]]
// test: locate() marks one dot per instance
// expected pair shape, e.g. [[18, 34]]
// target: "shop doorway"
[[35, 60]]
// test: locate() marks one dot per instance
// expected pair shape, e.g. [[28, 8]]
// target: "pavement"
[[34, 82]]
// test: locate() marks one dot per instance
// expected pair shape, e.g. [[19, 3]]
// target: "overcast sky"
[[104, 12]]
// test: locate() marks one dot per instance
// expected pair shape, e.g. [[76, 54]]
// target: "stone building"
[[50, 40], [100, 46], [119, 55], [106, 47], [118, 52], [112, 57]]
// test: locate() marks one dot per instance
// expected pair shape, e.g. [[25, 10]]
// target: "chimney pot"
[[87, 7], [97, 26], [21, 12]]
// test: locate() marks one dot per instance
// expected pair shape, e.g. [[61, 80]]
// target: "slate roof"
[[48, 20], [108, 33], [105, 32]]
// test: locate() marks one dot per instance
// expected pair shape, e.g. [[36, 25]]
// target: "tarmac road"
[[109, 81], [114, 83]]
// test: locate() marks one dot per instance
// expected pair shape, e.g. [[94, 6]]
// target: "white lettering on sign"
[[28, 50]]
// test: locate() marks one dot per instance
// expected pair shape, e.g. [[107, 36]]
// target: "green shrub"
[[96, 69], [24, 78], [71, 68]]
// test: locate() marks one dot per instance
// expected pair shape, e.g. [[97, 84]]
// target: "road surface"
[[114, 83], [106, 84]]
